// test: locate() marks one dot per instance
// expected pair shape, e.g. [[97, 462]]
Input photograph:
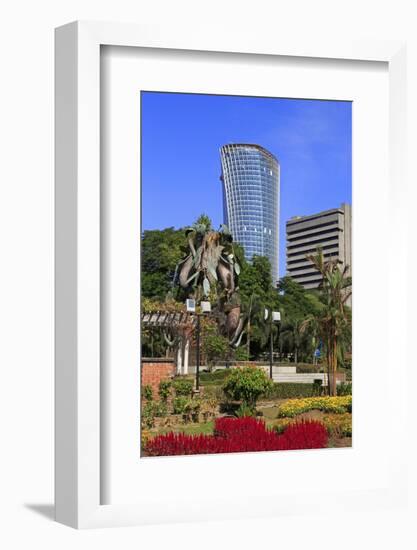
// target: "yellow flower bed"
[[292, 407], [338, 425]]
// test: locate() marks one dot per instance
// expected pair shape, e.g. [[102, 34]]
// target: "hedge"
[[214, 378], [289, 390]]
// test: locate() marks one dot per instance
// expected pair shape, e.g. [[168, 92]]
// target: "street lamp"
[[205, 308], [275, 317]]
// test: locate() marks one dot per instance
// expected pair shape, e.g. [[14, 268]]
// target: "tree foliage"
[[247, 385], [303, 312], [215, 346], [161, 251], [334, 320]]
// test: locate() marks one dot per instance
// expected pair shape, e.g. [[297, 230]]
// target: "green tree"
[[334, 319], [247, 385], [215, 346], [257, 293], [292, 335], [161, 251], [203, 219], [256, 279]]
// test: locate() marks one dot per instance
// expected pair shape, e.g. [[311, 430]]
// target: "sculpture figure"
[[210, 271]]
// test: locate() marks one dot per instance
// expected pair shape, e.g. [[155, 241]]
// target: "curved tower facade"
[[250, 176]]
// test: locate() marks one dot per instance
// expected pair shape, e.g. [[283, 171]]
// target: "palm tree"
[[292, 334], [333, 322]]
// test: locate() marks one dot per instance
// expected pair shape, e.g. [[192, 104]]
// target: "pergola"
[[175, 322]]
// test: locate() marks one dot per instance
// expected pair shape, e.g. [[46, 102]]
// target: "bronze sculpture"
[[210, 271]]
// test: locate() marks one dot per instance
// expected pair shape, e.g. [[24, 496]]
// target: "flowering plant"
[[234, 435], [293, 407]]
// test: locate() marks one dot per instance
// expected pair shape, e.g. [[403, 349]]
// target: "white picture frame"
[[78, 265]]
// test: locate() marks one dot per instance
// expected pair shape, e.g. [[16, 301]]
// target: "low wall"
[[288, 374], [306, 377], [153, 371]]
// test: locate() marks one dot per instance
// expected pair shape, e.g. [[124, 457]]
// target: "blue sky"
[[182, 134]]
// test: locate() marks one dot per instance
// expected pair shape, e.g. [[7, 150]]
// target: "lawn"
[[189, 429]]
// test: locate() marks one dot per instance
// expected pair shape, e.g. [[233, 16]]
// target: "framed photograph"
[[223, 211]]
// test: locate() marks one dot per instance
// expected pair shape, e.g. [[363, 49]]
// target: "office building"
[[330, 230], [250, 176]]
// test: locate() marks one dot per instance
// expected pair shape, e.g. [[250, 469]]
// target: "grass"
[[189, 429]]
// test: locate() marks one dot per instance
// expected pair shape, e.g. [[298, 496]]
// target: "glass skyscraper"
[[250, 176]]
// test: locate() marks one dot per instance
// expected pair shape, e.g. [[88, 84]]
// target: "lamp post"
[[205, 308], [275, 317], [197, 369]]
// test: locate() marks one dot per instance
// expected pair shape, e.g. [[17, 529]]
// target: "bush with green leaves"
[[241, 354], [344, 388], [244, 410], [179, 404], [247, 385], [317, 386], [164, 389], [309, 368], [215, 346], [148, 415], [183, 387], [147, 393], [161, 409], [152, 410], [188, 407]]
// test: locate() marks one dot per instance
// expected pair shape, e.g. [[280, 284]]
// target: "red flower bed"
[[229, 427], [236, 435], [305, 435]]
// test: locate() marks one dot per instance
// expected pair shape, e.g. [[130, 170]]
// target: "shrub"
[[326, 404], [192, 409], [183, 387], [160, 409], [213, 392], [164, 389], [179, 404], [344, 388], [241, 354], [215, 347], [247, 384], [244, 410], [309, 368], [232, 435], [317, 386], [148, 415], [208, 408], [151, 410], [147, 392]]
